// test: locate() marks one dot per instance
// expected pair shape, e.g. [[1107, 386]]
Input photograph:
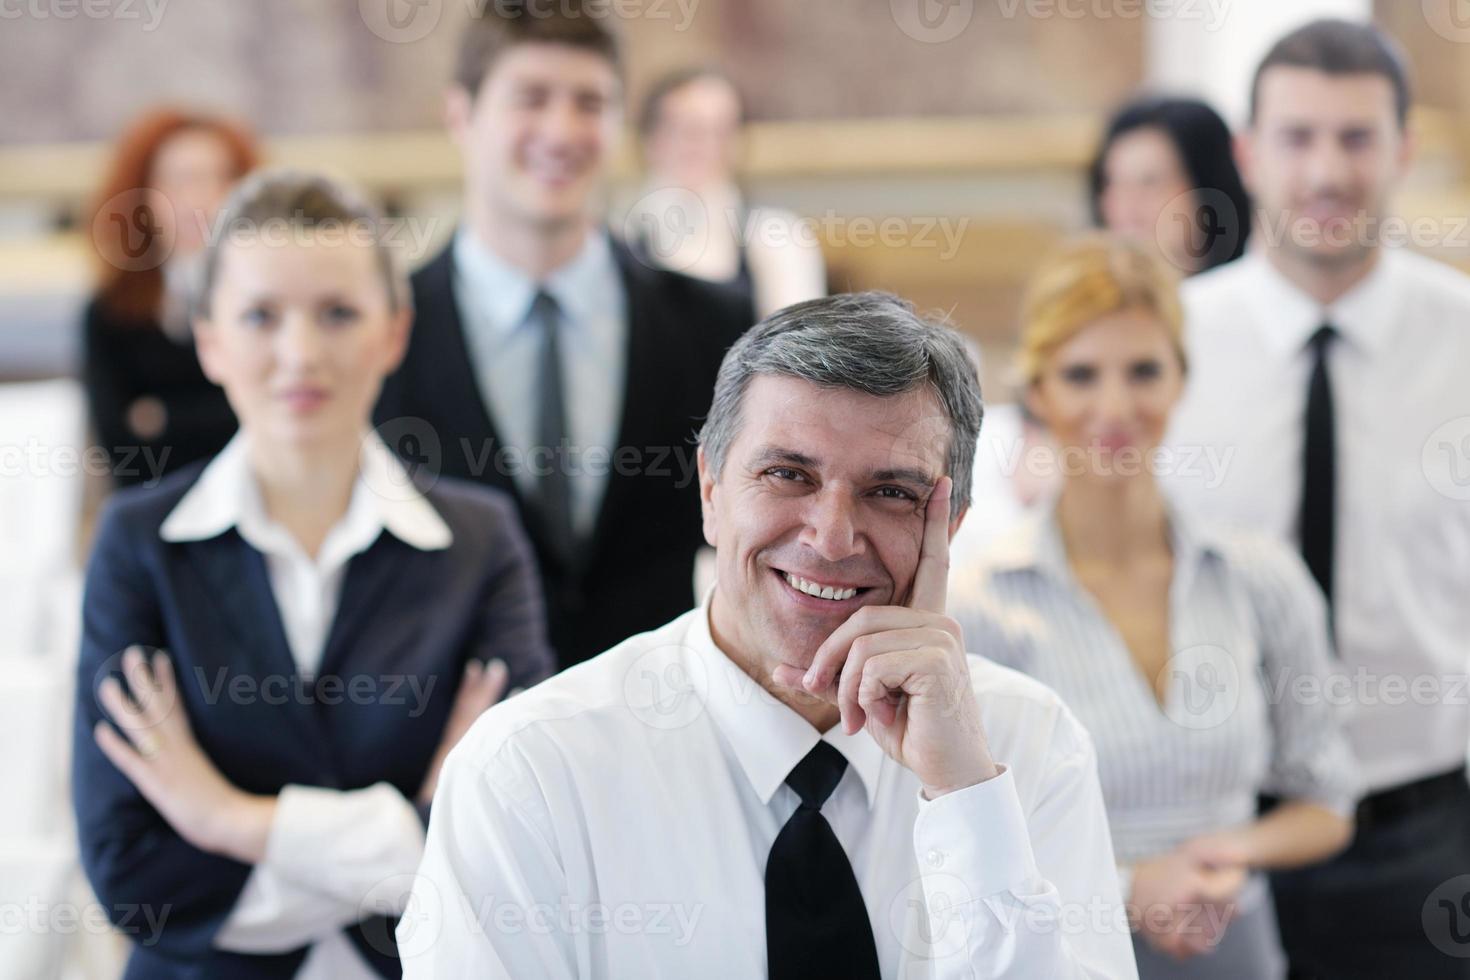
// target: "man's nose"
[[831, 526], [1328, 167]]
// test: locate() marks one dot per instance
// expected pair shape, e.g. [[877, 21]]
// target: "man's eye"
[[783, 473], [895, 493]]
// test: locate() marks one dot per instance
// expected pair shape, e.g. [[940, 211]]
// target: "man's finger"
[[833, 652], [931, 579]]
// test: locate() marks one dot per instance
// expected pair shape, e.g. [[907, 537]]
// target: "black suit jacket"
[[408, 621], [636, 571]]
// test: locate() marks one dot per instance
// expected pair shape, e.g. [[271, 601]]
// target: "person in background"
[[280, 647], [1169, 637], [546, 360], [1164, 175], [1330, 368], [152, 408], [691, 214]]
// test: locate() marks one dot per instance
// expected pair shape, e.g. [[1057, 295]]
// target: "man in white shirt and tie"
[[807, 775], [1328, 371]]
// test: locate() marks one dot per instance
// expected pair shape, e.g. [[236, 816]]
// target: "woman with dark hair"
[[1165, 174], [152, 408]]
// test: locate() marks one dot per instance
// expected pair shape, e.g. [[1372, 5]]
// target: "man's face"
[[821, 485], [537, 136], [1322, 159]]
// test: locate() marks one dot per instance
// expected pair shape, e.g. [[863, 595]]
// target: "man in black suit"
[[546, 360]]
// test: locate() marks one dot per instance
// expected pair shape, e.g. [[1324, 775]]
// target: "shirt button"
[[935, 859]]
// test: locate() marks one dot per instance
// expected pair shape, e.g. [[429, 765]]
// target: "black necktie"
[[816, 923], [552, 480], [1317, 523]]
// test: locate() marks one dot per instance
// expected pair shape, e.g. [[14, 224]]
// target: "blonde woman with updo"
[[1192, 655]]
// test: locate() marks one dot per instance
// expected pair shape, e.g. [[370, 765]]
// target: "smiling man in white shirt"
[[1328, 368], [807, 775]]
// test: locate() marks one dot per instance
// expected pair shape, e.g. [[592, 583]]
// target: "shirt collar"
[[767, 737], [1363, 315], [384, 497], [503, 294], [1035, 544]]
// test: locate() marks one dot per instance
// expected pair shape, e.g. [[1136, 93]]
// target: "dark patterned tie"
[[1318, 519], [553, 482], [816, 923]]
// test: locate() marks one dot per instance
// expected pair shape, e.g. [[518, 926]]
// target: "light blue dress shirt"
[[494, 300]]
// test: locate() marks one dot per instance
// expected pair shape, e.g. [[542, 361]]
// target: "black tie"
[[1317, 521], [551, 432], [816, 923]]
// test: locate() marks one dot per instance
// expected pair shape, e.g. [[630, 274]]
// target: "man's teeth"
[[821, 592]]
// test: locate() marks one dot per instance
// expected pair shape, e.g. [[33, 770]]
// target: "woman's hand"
[[1180, 905], [481, 687], [161, 757]]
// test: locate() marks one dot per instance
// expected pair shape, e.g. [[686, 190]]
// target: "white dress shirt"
[[615, 821], [704, 234], [1247, 629], [494, 300], [332, 855], [1402, 559]]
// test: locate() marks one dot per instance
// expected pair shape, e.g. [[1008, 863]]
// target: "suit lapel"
[[652, 364], [364, 585], [447, 379], [237, 583]]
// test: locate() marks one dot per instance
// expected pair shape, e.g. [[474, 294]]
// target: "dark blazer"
[[637, 570], [125, 361], [403, 613]]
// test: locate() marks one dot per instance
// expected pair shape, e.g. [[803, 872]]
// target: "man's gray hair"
[[870, 342]]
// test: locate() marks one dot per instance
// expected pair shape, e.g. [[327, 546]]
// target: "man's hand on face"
[[900, 671]]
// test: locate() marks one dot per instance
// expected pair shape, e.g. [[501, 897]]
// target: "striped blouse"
[[1245, 709]]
